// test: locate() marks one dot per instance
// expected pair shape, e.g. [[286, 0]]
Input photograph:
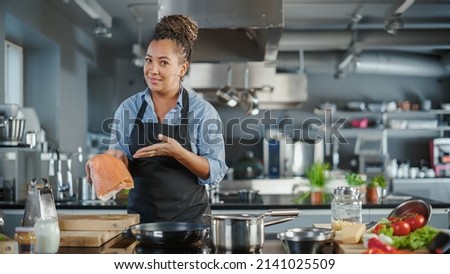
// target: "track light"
[[393, 23], [103, 21]]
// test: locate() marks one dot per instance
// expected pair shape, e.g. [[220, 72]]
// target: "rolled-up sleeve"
[[210, 144]]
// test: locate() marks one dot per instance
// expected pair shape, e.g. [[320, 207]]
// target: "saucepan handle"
[[290, 214], [283, 212]]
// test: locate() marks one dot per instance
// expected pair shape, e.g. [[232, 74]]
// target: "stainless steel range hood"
[[232, 30], [274, 90]]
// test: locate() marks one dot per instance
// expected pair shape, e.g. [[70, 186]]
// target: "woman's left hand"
[[167, 147]]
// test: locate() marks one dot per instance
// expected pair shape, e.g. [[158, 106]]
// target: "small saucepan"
[[244, 233], [170, 233]]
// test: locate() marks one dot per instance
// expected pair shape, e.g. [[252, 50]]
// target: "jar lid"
[[24, 229], [346, 190]]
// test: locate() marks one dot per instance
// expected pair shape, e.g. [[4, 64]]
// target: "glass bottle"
[[47, 235], [346, 206], [26, 239]]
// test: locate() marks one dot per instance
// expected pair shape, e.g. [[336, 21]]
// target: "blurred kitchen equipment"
[[9, 110], [440, 156], [372, 154], [304, 153], [248, 167], [170, 233], [305, 240], [31, 139], [85, 189], [18, 165], [247, 195], [244, 233], [440, 243], [278, 152], [2, 220], [413, 206], [40, 202], [356, 106], [29, 114], [11, 131]]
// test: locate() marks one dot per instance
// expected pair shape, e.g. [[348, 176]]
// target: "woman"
[[170, 139]]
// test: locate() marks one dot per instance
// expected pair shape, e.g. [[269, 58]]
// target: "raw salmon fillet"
[[109, 175]]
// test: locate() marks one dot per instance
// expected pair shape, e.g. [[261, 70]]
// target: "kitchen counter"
[[230, 204], [229, 201], [128, 245]]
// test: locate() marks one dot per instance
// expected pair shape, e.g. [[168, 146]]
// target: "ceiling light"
[[101, 30], [103, 21], [393, 23]]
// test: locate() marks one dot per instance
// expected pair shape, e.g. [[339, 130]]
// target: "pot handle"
[[283, 212], [291, 213]]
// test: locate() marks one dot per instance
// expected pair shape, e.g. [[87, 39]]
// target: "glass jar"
[[26, 239], [47, 235], [346, 206]]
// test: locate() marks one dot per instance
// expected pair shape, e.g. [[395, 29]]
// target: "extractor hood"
[[273, 90], [232, 30]]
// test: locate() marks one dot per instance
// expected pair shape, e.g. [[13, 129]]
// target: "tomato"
[[401, 228], [416, 221], [378, 228], [393, 219]]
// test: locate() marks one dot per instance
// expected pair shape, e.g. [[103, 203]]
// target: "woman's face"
[[163, 68]]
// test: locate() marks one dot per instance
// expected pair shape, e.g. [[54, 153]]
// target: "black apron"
[[164, 190]]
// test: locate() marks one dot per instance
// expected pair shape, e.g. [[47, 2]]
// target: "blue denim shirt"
[[205, 129]]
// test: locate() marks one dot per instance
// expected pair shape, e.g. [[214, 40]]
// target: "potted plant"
[[375, 188], [317, 175], [357, 180]]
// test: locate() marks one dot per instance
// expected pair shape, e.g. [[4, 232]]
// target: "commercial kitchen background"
[[74, 83]]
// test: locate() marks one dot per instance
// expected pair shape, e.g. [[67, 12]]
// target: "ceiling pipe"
[[370, 62], [369, 40]]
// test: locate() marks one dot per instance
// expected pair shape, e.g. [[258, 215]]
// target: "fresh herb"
[[378, 181], [354, 179], [317, 174]]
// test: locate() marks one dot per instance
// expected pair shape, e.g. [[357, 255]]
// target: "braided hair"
[[179, 28]]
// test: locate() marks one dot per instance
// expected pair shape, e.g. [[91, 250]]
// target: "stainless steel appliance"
[[277, 151], [287, 157], [440, 156], [19, 165]]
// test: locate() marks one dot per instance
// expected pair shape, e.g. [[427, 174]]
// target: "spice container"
[[346, 206], [26, 239]]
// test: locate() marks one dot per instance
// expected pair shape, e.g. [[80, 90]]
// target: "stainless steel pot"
[[244, 233], [11, 130]]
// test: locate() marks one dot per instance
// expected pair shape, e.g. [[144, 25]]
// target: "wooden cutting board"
[[350, 248], [97, 222], [86, 238]]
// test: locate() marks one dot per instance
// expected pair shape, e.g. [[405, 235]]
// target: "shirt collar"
[[145, 95]]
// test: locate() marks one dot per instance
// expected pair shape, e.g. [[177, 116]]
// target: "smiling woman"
[[164, 130]]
